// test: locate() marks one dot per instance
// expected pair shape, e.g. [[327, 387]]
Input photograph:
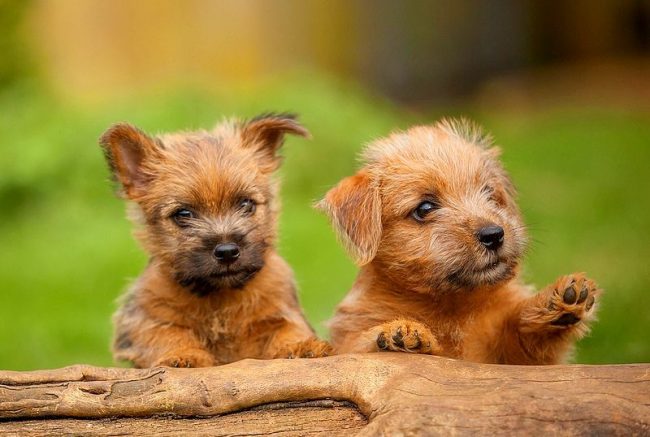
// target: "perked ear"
[[494, 153], [266, 133], [126, 149], [354, 207]]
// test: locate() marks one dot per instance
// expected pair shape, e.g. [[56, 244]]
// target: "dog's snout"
[[226, 252], [491, 236]]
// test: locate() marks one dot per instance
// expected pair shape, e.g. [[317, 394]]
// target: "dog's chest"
[[224, 338], [457, 333], [220, 329], [238, 332], [450, 335]]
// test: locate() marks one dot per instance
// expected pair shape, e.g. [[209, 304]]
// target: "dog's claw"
[[381, 342], [398, 338], [418, 342]]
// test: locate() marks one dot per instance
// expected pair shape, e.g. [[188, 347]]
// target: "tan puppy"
[[215, 290], [432, 220]]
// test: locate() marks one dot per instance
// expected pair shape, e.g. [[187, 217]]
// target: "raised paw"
[[203, 359], [312, 348], [406, 336], [572, 300]]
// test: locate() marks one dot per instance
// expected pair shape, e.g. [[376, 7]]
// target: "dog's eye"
[[424, 209], [247, 206], [493, 195], [489, 190], [182, 216]]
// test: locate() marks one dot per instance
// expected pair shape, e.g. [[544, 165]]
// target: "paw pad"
[[569, 295], [583, 294], [572, 300], [566, 319], [590, 303]]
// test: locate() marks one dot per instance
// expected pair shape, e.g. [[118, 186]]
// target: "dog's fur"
[[429, 285], [188, 309]]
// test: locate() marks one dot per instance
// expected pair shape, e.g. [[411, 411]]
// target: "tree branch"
[[371, 393]]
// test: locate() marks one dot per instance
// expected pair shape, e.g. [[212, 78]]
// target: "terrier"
[[431, 219], [204, 203]]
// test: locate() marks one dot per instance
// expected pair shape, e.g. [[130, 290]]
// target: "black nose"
[[491, 236], [226, 253]]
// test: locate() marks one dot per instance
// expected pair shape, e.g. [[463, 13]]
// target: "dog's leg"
[[545, 326], [152, 345], [292, 340]]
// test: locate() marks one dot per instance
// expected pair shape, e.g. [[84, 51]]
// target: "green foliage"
[[67, 249]]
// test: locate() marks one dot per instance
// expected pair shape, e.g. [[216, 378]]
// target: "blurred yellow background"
[[420, 51], [563, 86]]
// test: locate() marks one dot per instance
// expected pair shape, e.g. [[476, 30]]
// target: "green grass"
[[68, 252]]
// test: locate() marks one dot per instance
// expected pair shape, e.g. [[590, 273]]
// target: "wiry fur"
[[187, 309], [430, 286]]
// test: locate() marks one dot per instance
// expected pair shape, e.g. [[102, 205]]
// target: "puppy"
[[215, 289], [431, 218]]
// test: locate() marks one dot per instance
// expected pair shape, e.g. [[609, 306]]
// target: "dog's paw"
[[313, 348], [572, 301], [187, 360], [406, 336]]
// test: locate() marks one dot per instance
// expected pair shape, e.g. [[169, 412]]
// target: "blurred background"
[[563, 86]]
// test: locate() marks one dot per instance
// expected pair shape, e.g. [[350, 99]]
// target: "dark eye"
[[494, 195], [182, 216], [424, 209], [489, 190], [247, 206]]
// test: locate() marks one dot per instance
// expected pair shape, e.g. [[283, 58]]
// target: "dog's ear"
[[126, 149], [354, 207], [503, 179], [265, 133]]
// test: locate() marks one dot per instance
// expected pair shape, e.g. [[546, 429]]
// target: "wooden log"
[[294, 420], [366, 394]]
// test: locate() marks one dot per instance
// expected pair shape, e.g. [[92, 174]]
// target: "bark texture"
[[370, 394]]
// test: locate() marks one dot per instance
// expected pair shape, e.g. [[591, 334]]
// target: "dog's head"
[[432, 209], [204, 201]]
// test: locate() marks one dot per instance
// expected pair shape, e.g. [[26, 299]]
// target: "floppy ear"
[[126, 149], [354, 207], [266, 133]]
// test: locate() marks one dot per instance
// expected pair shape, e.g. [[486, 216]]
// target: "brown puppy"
[[215, 290], [431, 218]]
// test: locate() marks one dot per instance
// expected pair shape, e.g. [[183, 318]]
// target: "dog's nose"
[[226, 253], [491, 236]]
